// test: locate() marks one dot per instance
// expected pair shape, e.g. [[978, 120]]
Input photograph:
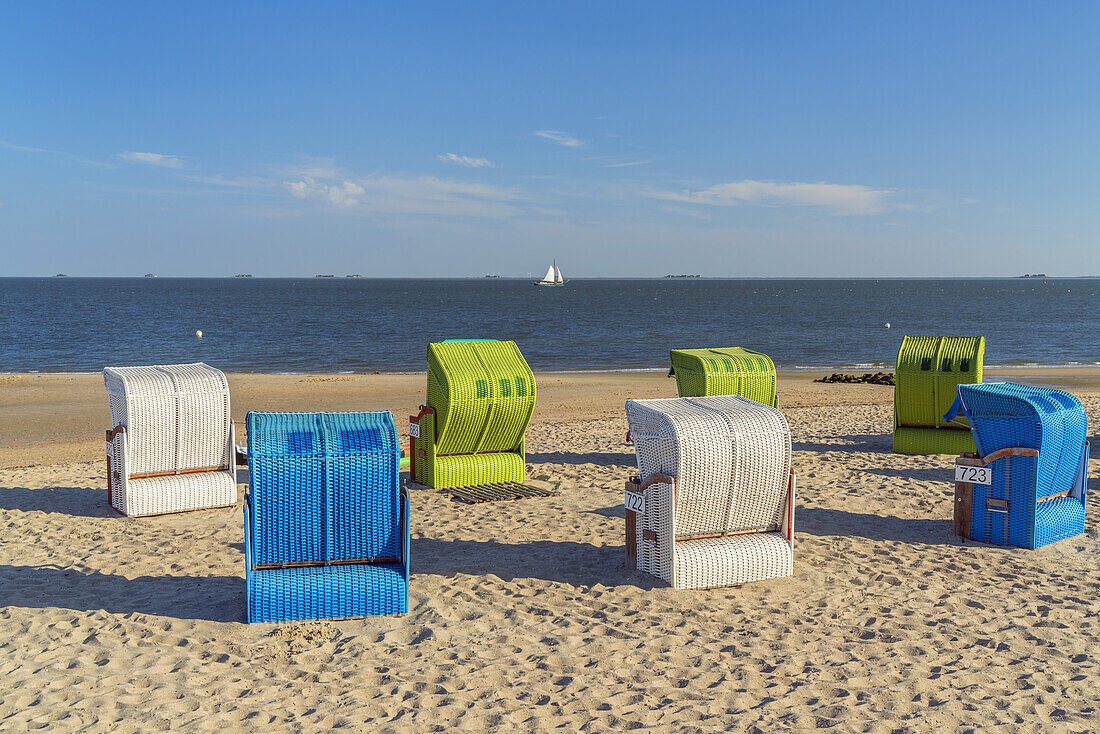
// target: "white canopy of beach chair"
[[716, 476], [171, 448]]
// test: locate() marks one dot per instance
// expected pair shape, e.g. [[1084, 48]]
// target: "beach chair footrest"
[[327, 592], [498, 491], [738, 559]]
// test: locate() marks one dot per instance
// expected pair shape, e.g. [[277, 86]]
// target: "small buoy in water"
[[887, 326], [198, 334]]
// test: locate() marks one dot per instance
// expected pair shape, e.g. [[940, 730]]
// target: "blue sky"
[[774, 139]]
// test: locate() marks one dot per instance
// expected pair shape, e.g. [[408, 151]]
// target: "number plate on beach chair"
[[414, 430], [973, 474], [635, 502]]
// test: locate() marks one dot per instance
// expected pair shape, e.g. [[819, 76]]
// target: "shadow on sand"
[[568, 562], [75, 501], [825, 522], [874, 443], [945, 474], [214, 598], [600, 458]]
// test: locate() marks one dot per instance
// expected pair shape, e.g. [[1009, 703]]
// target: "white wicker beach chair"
[[171, 448], [714, 501]]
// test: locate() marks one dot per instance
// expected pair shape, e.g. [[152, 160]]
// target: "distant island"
[[61, 275], [356, 275], [683, 276], [325, 276], [492, 276], [243, 275], [1033, 275], [150, 275]]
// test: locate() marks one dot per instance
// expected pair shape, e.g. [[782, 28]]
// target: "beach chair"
[[724, 371], [929, 369], [481, 394], [171, 448], [713, 503], [326, 521], [1032, 440]]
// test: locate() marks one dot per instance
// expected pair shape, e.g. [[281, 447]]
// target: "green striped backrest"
[[483, 394], [724, 371], [929, 370]]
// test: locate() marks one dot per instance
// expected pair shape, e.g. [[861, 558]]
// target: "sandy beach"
[[524, 615]]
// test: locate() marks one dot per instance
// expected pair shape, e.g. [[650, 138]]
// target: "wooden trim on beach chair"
[[635, 485], [318, 564], [964, 494], [1002, 453], [112, 475], [930, 425], [726, 533], [632, 526], [971, 459], [424, 410], [656, 479], [152, 475]]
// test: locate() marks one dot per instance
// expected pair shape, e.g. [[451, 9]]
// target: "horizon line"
[[580, 277]]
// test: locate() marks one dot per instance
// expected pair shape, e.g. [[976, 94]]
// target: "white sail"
[[557, 274], [549, 277]]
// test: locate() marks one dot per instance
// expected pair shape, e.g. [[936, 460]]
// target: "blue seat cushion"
[[1058, 519], [326, 592]]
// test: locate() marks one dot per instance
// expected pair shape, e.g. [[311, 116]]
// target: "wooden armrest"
[[972, 460], [424, 410], [655, 479]]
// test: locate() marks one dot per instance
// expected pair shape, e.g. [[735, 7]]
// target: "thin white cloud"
[[399, 194], [465, 160], [152, 159], [343, 194], [314, 167], [628, 164], [559, 137], [687, 211], [241, 182], [47, 151], [838, 198]]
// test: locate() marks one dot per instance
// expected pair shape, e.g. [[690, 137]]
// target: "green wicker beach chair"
[[724, 371], [929, 370], [480, 398]]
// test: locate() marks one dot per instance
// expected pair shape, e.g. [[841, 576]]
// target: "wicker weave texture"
[[929, 369], [177, 415], [731, 460], [466, 470], [932, 441], [327, 592], [183, 493], [175, 420], [724, 371], [1005, 415], [739, 559], [325, 490], [482, 394]]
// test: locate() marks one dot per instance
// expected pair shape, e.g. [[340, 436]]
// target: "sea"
[[357, 325]]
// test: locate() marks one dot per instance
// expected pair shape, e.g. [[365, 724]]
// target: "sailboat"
[[552, 277]]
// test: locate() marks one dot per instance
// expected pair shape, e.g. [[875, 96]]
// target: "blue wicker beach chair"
[[1033, 440], [326, 521]]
